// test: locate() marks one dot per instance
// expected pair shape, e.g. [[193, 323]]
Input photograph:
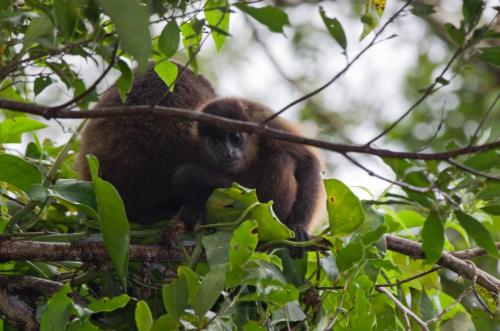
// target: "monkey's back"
[[139, 154]]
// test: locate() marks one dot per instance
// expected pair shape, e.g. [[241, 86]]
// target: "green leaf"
[[272, 17], [433, 237], [37, 192], [349, 255], [374, 9], [492, 208], [192, 280], [40, 84], [167, 71], [66, 18], [39, 26], [107, 305], [113, 220], [165, 322], [456, 35], [124, 83], [490, 55], [11, 129], [472, 10], [131, 20], [217, 247], [210, 290], [217, 15], [57, 312], [230, 204], [175, 297], [79, 194], [18, 172], [363, 317], [335, 28], [482, 320], [243, 244], [345, 213], [478, 232], [143, 316], [421, 10], [169, 39]]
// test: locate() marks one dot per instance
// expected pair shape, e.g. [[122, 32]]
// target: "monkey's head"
[[229, 151]]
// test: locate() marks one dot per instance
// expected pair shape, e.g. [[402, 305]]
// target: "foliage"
[[248, 280]]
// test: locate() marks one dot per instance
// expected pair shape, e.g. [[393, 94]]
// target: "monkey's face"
[[226, 150]]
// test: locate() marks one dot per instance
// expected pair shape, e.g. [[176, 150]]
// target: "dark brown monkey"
[[139, 154], [289, 174]]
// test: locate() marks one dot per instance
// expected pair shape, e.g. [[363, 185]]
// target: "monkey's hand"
[[300, 235], [192, 213]]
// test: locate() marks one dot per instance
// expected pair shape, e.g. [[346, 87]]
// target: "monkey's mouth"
[[230, 163]]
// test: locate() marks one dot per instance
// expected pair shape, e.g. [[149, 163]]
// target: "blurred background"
[[275, 69]]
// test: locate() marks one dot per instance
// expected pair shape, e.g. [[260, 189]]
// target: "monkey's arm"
[[309, 188], [193, 184]]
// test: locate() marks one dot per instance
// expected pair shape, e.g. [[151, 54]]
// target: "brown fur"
[[287, 173], [139, 154]]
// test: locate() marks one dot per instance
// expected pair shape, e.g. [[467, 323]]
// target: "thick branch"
[[229, 124], [447, 260], [93, 252], [29, 283], [16, 312]]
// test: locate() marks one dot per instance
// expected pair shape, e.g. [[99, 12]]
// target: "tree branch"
[[229, 124], [82, 250], [17, 313], [447, 260]]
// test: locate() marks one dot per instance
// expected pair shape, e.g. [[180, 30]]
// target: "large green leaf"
[[131, 20], [229, 205], [113, 220], [176, 297], [57, 312], [243, 244], [272, 17], [478, 232], [79, 194], [217, 15], [12, 129], [490, 55], [210, 290], [143, 316], [349, 255], [169, 39], [345, 213], [167, 71], [66, 18], [335, 28], [18, 172], [433, 237], [107, 305]]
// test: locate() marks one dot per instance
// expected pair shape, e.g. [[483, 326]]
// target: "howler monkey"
[[139, 154], [287, 173]]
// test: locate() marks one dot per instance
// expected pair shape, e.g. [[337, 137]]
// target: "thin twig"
[[461, 48], [483, 120], [341, 72], [472, 170], [403, 308], [94, 84], [449, 307], [406, 280], [391, 181]]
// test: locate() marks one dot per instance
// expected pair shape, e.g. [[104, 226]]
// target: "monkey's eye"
[[235, 138]]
